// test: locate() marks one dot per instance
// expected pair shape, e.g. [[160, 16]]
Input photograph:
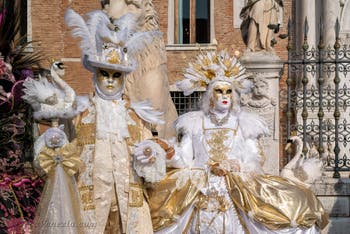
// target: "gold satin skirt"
[[272, 201]]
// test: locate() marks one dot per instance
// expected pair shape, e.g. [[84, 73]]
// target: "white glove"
[[150, 162], [144, 152]]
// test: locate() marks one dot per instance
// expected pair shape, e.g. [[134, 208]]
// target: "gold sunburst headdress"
[[209, 67]]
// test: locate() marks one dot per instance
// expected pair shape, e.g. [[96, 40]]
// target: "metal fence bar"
[[336, 111], [320, 80], [320, 111], [289, 85], [305, 82]]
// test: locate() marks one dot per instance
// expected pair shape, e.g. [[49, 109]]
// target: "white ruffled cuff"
[[152, 171]]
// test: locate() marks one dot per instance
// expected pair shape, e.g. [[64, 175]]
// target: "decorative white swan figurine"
[[55, 99], [302, 168]]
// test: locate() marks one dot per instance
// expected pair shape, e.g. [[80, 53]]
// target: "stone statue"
[[215, 182], [261, 20], [150, 80], [260, 101]]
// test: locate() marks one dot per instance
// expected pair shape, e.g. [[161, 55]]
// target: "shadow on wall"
[[340, 211]]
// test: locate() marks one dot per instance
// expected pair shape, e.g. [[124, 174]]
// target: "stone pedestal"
[[335, 197], [265, 68]]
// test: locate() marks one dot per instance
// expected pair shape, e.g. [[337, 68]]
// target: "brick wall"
[[54, 39]]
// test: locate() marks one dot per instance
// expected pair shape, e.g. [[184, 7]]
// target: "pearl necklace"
[[214, 119]]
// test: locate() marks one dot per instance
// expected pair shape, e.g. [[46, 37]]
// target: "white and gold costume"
[[197, 198], [111, 193], [215, 182], [108, 185]]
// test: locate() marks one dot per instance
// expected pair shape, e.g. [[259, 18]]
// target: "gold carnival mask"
[[110, 82]]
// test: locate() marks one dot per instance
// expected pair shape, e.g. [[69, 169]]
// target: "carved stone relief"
[[263, 103]]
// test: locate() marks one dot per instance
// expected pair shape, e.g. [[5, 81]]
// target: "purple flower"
[[25, 73]]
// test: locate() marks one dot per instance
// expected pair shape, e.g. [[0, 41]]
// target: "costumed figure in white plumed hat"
[[214, 181], [110, 191], [149, 81]]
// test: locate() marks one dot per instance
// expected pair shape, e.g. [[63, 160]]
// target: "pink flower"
[[14, 225], [6, 71]]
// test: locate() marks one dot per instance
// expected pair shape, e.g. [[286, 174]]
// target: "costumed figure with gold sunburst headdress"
[[214, 181]]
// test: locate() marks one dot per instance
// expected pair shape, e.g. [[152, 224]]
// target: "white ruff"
[[111, 119]]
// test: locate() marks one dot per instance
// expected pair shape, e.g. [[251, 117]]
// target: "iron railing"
[[318, 98], [184, 103]]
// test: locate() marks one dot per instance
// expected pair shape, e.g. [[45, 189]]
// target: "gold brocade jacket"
[[108, 183]]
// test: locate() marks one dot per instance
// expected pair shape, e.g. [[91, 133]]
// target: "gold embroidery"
[[135, 195], [86, 134], [219, 203], [218, 150], [86, 195]]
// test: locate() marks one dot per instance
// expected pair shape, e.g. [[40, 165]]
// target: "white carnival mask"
[[222, 96]]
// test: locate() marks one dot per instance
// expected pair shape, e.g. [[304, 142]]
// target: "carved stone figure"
[[259, 101], [149, 81], [260, 97], [261, 20]]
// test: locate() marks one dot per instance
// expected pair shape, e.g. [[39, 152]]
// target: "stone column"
[[311, 11], [331, 11], [266, 66], [306, 9]]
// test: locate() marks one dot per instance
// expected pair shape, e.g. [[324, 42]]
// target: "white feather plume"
[[146, 112], [187, 86], [97, 22], [81, 30], [127, 23], [253, 126]]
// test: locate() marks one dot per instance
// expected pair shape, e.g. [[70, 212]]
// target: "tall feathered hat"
[[211, 66], [103, 44]]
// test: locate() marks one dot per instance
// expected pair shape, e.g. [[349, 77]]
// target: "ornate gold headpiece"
[[210, 66]]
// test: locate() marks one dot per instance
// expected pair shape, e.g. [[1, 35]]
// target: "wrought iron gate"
[[318, 99]]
